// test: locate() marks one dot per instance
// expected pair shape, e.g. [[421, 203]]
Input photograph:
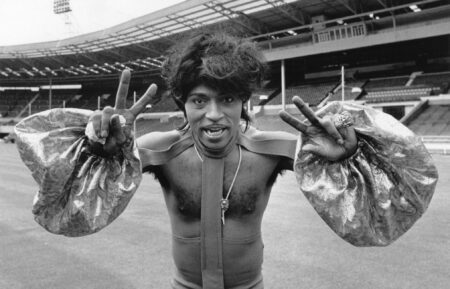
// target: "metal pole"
[[134, 101], [283, 86], [50, 95], [342, 82], [98, 102]]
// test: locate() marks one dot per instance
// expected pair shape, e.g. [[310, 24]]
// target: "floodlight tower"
[[62, 7]]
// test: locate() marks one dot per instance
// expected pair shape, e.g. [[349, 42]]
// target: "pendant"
[[224, 204]]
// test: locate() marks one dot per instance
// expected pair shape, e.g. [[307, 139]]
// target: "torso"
[[181, 182]]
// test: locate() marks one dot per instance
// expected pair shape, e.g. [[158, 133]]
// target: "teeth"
[[214, 132]]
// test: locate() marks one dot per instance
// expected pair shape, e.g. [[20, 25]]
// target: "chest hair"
[[182, 178]]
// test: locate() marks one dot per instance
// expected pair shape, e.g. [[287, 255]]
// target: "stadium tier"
[[433, 121], [440, 80], [395, 57]]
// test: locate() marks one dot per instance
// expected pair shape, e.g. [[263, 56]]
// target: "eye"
[[198, 101], [229, 99]]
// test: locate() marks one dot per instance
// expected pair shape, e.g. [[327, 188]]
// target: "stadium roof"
[[140, 44]]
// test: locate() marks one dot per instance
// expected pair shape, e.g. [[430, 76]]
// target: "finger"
[[305, 110], [117, 130], [106, 116], [122, 91], [96, 120], [147, 98], [328, 125], [292, 121], [349, 135]]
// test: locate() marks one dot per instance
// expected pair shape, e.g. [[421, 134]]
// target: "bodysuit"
[[369, 199]]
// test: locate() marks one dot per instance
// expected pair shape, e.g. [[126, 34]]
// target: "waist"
[[242, 259]]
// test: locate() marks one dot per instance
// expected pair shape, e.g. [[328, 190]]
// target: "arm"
[[369, 193], [84, 182]]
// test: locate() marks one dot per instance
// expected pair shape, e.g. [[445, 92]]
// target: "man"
[[217, 172]]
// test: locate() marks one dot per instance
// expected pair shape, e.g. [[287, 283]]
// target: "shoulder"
[[159, 140], [258, 135], [158, 148], [276, 143]]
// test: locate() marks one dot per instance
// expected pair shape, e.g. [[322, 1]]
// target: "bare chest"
[[249, 193]]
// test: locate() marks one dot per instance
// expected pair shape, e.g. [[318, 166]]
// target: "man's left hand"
[[332, 136]]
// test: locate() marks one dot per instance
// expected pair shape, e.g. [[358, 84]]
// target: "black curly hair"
[[218, 60]]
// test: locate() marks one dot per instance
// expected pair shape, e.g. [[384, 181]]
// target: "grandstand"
[[395, 53]]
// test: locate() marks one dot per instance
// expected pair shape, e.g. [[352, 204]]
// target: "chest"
[[248, 194]]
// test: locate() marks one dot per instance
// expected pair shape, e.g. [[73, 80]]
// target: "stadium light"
[[68, 70], [111, 66], [152, 62], [138, 64], [38, 71], [61, 6], [89, 69], [79, 70], [102, 68], [51, 71], [12, 71], [123, 66], [28, 72]]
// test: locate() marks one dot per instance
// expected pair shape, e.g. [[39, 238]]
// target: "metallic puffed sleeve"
[[79, 192], [376, 195]]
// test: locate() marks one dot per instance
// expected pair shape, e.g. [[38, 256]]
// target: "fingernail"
[[340, 141], [104, 133]]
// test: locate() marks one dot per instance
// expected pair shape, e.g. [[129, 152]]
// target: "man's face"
[[214, 117]]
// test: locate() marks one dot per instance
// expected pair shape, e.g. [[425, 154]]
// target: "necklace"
[[225, 203]]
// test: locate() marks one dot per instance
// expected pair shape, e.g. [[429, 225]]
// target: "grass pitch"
[[134, 251]]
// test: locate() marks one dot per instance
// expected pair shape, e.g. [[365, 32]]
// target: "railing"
[[436, 139], [340, 32]]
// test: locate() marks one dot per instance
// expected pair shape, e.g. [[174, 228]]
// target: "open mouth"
[[214, 132]]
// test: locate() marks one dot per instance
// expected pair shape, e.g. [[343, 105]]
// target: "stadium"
[[391, 55]]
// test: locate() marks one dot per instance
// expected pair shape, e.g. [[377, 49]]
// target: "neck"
[[215, 153]]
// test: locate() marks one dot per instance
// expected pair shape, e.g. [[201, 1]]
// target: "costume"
[[369, 199]]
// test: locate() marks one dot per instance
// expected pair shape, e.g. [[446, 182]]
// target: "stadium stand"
[[391, 56], [433, 121], [395, 94], [352, 91], [263, 96], [313, 94], [376, 83], [12, 102], [440, 80]]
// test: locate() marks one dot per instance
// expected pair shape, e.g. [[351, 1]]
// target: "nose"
[[214, 111]]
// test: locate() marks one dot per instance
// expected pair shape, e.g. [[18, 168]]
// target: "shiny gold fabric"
[[376, 195], [79, 192]]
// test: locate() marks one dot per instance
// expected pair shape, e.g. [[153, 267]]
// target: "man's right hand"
[[115, 124]]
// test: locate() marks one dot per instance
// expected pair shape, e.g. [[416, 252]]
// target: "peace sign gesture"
[[113, 127], [331, 137]]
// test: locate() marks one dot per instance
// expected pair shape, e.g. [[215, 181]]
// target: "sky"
[[31, 21]]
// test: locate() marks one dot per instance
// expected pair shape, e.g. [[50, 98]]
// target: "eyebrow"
[[201, 94]]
